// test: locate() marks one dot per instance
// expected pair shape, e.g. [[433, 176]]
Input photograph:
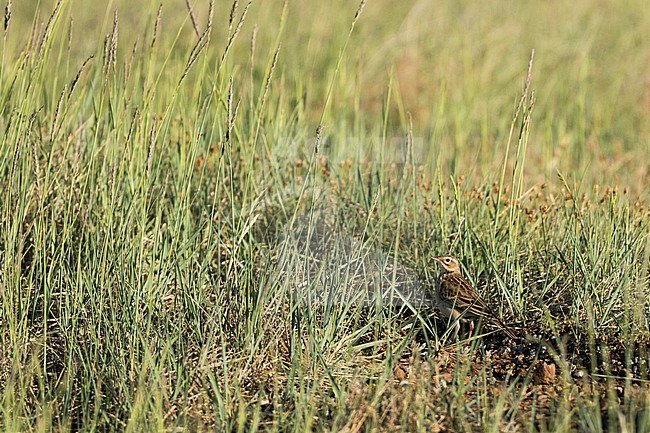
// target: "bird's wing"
[[458, 291]]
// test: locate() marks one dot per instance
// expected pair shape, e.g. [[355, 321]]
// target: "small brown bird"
[[456, 298]]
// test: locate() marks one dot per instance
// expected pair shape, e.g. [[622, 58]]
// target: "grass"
[[225, 220]]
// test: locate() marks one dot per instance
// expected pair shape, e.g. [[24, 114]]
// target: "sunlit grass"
[[226, 221]]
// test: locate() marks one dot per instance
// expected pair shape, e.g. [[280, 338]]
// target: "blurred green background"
[[456, 67]]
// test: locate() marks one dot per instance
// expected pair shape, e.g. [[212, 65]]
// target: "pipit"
[[457, 299]]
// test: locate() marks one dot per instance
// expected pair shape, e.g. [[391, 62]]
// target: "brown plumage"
[[456, 298]]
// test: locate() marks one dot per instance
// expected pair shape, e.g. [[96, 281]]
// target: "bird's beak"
[[438, 259]]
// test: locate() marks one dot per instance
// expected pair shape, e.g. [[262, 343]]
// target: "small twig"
[[57, 111], [7, 15], [156, 26], [152, 140], [193, 18], [73, 84]]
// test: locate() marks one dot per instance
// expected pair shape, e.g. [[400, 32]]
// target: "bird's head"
[[448, 263]]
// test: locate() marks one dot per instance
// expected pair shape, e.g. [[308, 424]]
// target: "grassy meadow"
[[222, 217]]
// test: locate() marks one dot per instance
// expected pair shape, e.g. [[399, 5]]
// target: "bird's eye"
[[447, 260]]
